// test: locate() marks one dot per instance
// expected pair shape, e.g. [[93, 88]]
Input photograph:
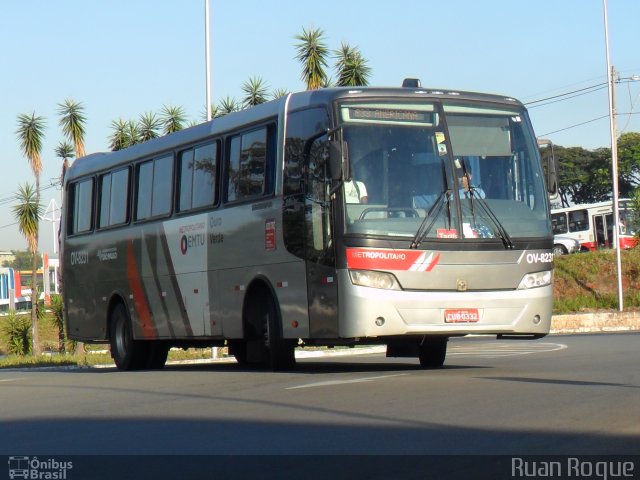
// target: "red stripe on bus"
[[378, 259], [139, 299]]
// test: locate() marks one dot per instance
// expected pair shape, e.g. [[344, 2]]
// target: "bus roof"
[[96, 162]]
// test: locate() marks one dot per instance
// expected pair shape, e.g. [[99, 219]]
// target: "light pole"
[[207, 41], [614, 158]]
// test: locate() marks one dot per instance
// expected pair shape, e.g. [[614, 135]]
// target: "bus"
[[237, 232], [593, 226]]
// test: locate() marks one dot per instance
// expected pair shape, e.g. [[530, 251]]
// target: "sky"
[[123, 58]]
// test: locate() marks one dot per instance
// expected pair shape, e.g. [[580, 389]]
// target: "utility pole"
[[207, 40], [614, 157]]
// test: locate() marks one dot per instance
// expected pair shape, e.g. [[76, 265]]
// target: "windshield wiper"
[[484, 206], [433, 214]]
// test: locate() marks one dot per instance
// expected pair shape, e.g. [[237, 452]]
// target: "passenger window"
[[154, 192], [247, 165], [81, 196], [198, 177], [114, 198]]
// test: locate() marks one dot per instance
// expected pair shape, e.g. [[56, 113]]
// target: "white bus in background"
[[244, 231], [593, 226]]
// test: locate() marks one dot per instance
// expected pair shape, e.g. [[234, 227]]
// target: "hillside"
[[588, 281]]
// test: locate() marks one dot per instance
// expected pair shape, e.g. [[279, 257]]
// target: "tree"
[[119, 139], [255, 90], [27, 212], [629, 162], [279, 93], [312, 53], [227, 105], [22, 260], [72, 121], [64, 151], [584, 175], [172, 118], [148, 126], [58, 320], [125, 134], [351, 66]]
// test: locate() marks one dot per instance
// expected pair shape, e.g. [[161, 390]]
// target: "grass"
[[582, 282], [588, 281]]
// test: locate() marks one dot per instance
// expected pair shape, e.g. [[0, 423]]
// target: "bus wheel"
[[157, 352], [432, 351], [238, 348], [281, 352], [126, 352]]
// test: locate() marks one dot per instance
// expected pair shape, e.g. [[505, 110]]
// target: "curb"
[[595, 322]]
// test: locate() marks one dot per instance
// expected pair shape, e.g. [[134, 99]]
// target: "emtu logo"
[[183, 244], [192, 241]]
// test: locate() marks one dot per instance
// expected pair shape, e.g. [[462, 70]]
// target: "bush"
[[17, 330]]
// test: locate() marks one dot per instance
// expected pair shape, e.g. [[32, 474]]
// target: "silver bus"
[[335, 217]]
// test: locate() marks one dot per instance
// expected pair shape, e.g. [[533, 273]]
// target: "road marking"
[[495, 350], [345, 382], [10, 379]]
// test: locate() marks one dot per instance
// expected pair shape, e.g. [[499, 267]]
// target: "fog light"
[[379, 321], [536, 319]]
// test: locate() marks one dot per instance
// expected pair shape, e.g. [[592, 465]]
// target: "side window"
[[81, 199], [114, 198], [198, 168], [559, 223], [154, 188], [578, 221], [162, 186], [247, 168]]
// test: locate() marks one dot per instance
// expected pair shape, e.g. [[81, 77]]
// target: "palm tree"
[[148, 126], [312, 53], [27, 212], [72, 121], [255, 90], [278, 93], [133, 133], [118, 139], [351, 66], [173, 119], [64, 150], [228, 105], [125, 134]]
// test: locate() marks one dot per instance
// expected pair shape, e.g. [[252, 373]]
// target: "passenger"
[[355, 192]]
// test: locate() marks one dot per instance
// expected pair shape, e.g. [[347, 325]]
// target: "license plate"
[[461, 315]]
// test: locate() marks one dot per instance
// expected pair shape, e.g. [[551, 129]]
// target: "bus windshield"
[[442, 171]]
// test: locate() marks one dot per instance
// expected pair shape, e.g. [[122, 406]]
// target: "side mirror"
[[338, 158], [335, 159], [549, 166]]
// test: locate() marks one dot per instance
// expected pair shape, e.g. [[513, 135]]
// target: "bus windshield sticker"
[[447, 233], [270, 235], [408, 260]]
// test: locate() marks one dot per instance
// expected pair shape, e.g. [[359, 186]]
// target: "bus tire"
[[238, 348], [157, 352], [432, 351], [280, 352], [127, 353]]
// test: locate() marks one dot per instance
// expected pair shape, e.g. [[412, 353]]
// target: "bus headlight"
[[373, 279], [537, 279]]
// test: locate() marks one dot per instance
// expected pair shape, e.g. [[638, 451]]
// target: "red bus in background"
[[593, 226]]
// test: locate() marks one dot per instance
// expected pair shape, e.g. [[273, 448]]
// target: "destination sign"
[[384, 114]]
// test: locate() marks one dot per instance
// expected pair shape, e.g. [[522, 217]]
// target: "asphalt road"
[[565, 395]]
